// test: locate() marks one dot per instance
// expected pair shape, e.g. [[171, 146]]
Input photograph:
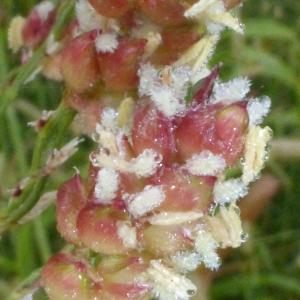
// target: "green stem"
[[24, 255], [51, 135], [10, 92], [64, 11], [49, 138], [28, 204], [26, 282], [15, 135], [41, 239], [16, 202]]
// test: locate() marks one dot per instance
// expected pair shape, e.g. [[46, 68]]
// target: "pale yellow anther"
[[255, 152], [15, 39], [125, 112], [105, 160], [228, 20], [198, 54], [207, 50], [226, 227], [108, 141], [153, 42]]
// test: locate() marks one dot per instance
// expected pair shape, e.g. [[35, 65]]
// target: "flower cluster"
[[157, 202]]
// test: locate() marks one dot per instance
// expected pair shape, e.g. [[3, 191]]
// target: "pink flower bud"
[[78, 62], [175, 42], [183, 191], [37, 27], [64, 277], [70, 200], [112, 8], [152, 130], [119, 68], [163, 12], [98, 230]]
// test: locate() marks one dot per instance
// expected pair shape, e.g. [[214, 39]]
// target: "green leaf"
[[270, 65], [269, 28]]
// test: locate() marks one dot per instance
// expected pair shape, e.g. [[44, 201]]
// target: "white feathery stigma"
[[141, 203], [186, 261], [106, 42], [44, 9], [146, 163], [229, 191], [109, 119], [127, 233], [232, 91], [167, 284], [107, 184], [205, 164], [206, 247], [167, 88], [258, 108]]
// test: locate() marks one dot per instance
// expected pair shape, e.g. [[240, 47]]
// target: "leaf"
[[269, 28], [270, 65]]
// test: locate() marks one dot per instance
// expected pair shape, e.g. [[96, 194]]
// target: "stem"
[[49, 138], [42, 240], [15, 135], [285, 149], [63, 13], [24, 255], [26, 282], [10, 92], [51, 135], [28, 204]]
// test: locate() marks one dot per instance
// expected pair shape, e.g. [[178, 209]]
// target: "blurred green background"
[[268, 266]]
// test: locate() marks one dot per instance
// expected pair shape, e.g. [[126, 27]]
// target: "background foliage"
[[268, 266]]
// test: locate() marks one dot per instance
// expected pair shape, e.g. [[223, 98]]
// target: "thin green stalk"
[[49, 138], [65, 9], [9, 76], [28, 204], [51, 135], [15, 135], [16, 202], [24, 254], [281, 236], [3, 76], [26, 282], [42, 240], [24, 250], [10, 92]]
